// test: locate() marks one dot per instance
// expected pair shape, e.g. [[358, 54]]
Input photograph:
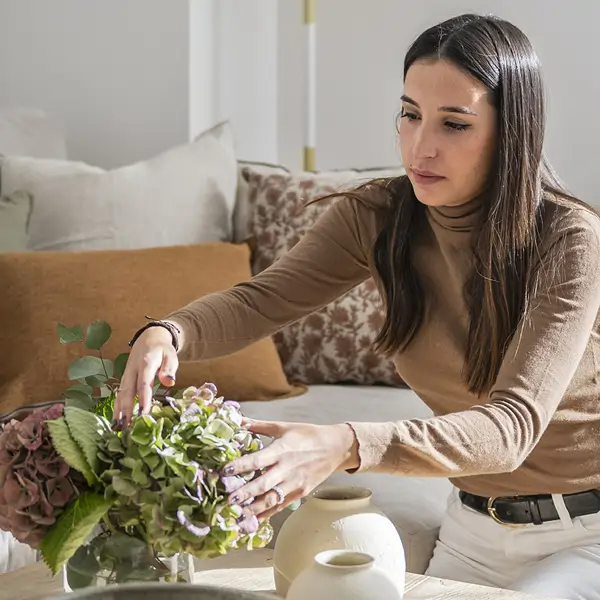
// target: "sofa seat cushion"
[[415, 505]]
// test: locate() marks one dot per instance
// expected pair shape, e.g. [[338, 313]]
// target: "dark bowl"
[[163, 591]]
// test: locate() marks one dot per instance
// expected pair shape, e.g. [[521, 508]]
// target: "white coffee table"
[[251, 571]]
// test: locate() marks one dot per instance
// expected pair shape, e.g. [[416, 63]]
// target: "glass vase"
[[99, 564]]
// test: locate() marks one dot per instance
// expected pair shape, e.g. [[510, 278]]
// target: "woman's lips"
[[425, 177]]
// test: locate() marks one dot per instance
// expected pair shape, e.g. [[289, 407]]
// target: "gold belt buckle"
[[494, 515]]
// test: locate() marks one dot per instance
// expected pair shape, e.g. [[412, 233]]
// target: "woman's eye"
[[456, 126], [409, 116]]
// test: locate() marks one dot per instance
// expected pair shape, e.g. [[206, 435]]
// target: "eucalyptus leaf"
[[86, 366], [75, 394], [84, 403], [69, 335], [98, 333], [96, 381], [82, 387]]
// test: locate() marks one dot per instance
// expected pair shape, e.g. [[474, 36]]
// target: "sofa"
[[196, 206]]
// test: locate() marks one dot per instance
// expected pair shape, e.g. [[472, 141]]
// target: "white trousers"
[[559, 559]]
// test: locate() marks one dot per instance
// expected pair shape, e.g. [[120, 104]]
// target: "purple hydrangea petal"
[[200, 530], [223, 524], [232, 483], [249, 525], [232, 404], [190, 413]]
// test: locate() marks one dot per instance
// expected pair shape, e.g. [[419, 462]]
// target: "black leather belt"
[[526, 510]]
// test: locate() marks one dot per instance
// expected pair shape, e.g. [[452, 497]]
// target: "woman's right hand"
[[153, 353]]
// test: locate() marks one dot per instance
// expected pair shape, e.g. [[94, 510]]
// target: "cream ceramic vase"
[[336, 518], [344, 575]]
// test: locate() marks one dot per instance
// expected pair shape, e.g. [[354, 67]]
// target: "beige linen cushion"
[[185, 195]]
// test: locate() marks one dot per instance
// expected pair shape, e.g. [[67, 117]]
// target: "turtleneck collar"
[[457, 218]]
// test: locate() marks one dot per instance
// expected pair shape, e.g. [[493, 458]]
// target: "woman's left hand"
[[299, 459]]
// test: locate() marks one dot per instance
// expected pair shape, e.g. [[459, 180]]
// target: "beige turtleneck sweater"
[[538, 431]]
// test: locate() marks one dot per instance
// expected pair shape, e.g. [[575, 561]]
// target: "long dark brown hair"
[[507, 241]]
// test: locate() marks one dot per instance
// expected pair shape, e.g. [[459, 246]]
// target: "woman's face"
[[447, 133]]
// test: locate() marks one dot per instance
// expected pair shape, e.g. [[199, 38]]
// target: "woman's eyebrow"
[[453, 109]]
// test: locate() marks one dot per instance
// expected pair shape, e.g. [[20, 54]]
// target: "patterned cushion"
[[333, 345]]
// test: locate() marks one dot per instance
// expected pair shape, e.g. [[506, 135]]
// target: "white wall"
[[115, 72], [246, 57], [130, 78], [361, 48]]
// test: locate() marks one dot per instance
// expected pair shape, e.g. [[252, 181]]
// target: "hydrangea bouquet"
[[120, 505]]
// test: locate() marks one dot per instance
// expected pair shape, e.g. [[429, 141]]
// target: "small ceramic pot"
[[336, 518], [344, 575]]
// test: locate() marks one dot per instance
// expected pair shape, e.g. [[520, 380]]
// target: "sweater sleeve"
[[329, 260], [496, 437]]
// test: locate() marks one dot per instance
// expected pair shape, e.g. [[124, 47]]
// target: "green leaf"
[[120, 364], [87, 429], [139, 477], [219, 429], [127, 547], [86, 366], [123, 487], [141, 432], [68, 448], [72, 529], [86, 403], [82, 568], [129, 462], [98, 333], [82, 387], [96, 381], [68, 335], [105, 408], [78, 398]]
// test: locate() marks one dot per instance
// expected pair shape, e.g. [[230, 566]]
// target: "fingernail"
[[241, 518], [171, 377], [122, 422], [114, 424], [228, 470], [234, 500]]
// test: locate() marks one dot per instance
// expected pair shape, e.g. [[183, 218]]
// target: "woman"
[[490, 274]]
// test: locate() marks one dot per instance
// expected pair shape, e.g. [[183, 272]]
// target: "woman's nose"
[[425, 144]]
